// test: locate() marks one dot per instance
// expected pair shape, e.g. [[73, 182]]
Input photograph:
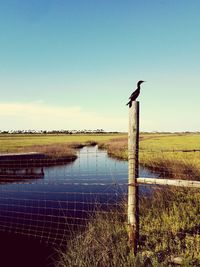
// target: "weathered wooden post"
[[133, 147]]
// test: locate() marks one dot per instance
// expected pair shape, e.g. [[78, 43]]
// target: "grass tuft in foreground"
[[169, 229], [104, 243], [170, 225]]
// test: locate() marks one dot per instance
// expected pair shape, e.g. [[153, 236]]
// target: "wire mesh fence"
[[51, 200]]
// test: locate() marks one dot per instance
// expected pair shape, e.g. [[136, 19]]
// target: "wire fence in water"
[[51, 202]]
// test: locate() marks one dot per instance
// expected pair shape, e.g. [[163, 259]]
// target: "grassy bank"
[[12, 142], [170, 225], [54, 146], [169, 232], [171, 155]]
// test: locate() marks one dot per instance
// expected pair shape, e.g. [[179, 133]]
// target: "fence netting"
[[51, 200]]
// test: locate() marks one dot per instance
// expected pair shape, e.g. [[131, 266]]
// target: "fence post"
[[133, 146]]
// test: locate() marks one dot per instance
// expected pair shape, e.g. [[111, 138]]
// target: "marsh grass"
[[170, 224], [53, 146], [100, 242], [154, 154], [169, 228], [57, 151], [116, 148], [169, 217], [172, 165], [172, 155], [104, 243], [13, 142], [53, 151]]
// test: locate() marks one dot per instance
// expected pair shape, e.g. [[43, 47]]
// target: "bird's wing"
[[134, 94]]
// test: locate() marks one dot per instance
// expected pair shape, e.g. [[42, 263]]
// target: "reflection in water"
[[15, 175]]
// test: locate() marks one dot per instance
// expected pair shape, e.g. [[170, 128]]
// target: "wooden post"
[[133, 146]]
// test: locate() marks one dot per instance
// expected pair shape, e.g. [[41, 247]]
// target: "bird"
[[135, 94]]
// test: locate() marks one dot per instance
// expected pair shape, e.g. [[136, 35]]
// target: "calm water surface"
[[49, 205]]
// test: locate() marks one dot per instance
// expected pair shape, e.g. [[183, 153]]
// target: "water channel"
[[47, 205]]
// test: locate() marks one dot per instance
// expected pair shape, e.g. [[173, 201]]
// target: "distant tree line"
[[97, 131]]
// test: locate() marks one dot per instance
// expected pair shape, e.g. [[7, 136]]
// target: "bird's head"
[[138, 84]]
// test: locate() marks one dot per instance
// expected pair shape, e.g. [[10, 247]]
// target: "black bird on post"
[[135, 94]]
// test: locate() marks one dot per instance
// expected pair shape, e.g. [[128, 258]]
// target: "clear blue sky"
[[72, 64]]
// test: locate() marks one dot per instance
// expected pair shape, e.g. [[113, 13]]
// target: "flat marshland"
[[169, 217], [172, 155], [54, 146]]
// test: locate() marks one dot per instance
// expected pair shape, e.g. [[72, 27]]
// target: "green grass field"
[[170, 141], [177, 155], [163, 151], [11, 143]]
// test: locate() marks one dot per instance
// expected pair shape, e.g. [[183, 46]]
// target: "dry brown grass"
[[53, 151], [116, 148]]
